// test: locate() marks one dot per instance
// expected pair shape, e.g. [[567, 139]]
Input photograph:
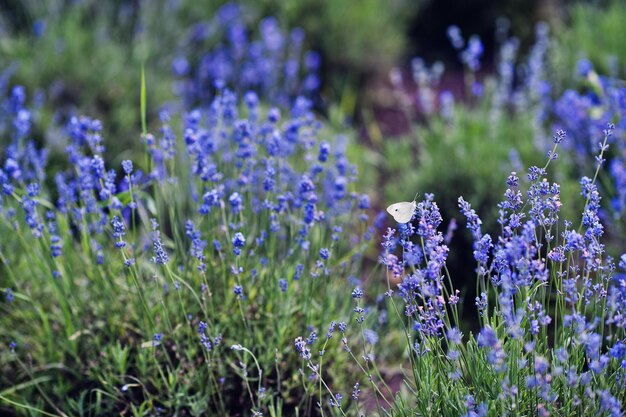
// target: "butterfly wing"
[[402, 212]]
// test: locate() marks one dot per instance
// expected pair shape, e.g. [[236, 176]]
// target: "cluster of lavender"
[[585, 113], [23, 160], [552, 299], [226, 52], [239, 165], [519, 84], [551, 308], [238, 228]]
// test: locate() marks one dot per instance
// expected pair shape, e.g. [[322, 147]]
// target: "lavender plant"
[[175, 283], [223, 51], [550, 306], [601, 100]]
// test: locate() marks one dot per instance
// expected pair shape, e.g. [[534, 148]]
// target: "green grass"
[[592, 32]]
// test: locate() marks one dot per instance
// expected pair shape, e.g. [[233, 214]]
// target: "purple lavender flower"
[[238, 291], [302, 348], [127, 165], [160, 255], [238, 242], [197, 244], [236, 202], [282, 284]]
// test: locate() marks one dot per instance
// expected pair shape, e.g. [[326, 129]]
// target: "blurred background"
[[86, 54]]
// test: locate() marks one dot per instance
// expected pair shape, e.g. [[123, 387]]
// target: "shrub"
[[550, 306], [222, 51], [175, 284]]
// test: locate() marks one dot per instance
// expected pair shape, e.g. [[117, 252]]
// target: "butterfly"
[[403, 212]]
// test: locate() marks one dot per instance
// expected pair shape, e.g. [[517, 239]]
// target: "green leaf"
[[144, 130]]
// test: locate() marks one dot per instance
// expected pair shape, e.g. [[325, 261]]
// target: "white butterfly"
[[402, 212]]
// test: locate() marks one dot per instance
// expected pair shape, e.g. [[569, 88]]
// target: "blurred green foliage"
[[83, 64], [470, 155], [592, 32], [356, 37]]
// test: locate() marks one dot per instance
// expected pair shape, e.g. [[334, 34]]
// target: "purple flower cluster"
[[160, 255], [266, 60], [596, 117], [234, 214], [518, 84], [423, 288], [208, 343], [260, 180], [576, 263], [540, 279], [197, 245]]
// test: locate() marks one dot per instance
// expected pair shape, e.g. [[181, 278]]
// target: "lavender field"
[[205, 208]]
